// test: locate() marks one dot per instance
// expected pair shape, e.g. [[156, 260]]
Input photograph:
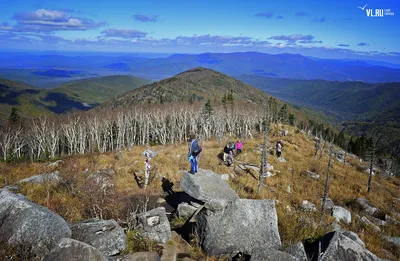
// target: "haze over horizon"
[[328, 29]]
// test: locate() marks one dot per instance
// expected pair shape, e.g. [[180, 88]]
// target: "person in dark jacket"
[[194, 151], [227, 150]]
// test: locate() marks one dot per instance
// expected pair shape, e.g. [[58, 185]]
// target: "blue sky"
[[325, 28]]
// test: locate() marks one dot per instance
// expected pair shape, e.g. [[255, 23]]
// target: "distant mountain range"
[[345, 100], [78, 95], [99, 89], [359, 107], [42, 70]]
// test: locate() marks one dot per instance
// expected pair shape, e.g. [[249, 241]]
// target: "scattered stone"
[[38, 179], [288, 190], [353, 236], [337, 246], [206, 185], [225, 177], [185, 210], [268, 254], [369, 223], [312, 175], [297, 250], [282, 159], [69, 249], [268, 175], [365, 206], [285, 132], [395, 241], [55, 164], [377, 221], [243, 225], [328, 203], [102, 178], [391, 220], [27, 224], [153, 224], [341, 214], [340, 155], [105, 235], [138, 256], [308, 206]]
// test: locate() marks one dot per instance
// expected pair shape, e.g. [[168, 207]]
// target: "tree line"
[[103, 130]]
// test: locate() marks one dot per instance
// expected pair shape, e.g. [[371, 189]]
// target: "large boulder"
[[38, 179], [297, 250], [206, 185], [138, 256], [243, 225], [336, 246], [268, 254], [72, 250], [341, 214], [152, 224], [105, 235], [25, 223]]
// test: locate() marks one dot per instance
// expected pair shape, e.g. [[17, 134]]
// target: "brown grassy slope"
[[198, 84], [75, 202]]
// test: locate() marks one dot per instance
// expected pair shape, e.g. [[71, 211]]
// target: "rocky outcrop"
[[336, 246], [69, 249], [341, 214], [297, 250], [241, 226], [152, 224], [50, 177], [206, 185], [138, 256], [25, 223], [105, 235]]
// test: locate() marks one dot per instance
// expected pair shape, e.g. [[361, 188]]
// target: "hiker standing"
[[194, 151], [279, 147], [238, 147]]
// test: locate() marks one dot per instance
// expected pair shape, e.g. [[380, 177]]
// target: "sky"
[[335, 29]]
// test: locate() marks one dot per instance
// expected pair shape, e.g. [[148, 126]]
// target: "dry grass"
[[346, 184]]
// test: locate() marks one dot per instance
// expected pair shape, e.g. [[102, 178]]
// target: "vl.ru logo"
[[377, 13]]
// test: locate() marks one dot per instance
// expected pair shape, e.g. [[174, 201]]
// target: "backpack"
[[196, 148]]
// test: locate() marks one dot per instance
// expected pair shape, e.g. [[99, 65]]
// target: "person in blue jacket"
[[194, 151]]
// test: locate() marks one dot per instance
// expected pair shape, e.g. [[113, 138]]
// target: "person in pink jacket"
[[238, 147]]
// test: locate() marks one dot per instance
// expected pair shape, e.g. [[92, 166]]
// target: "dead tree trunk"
[[263, 169], [327, 178]]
